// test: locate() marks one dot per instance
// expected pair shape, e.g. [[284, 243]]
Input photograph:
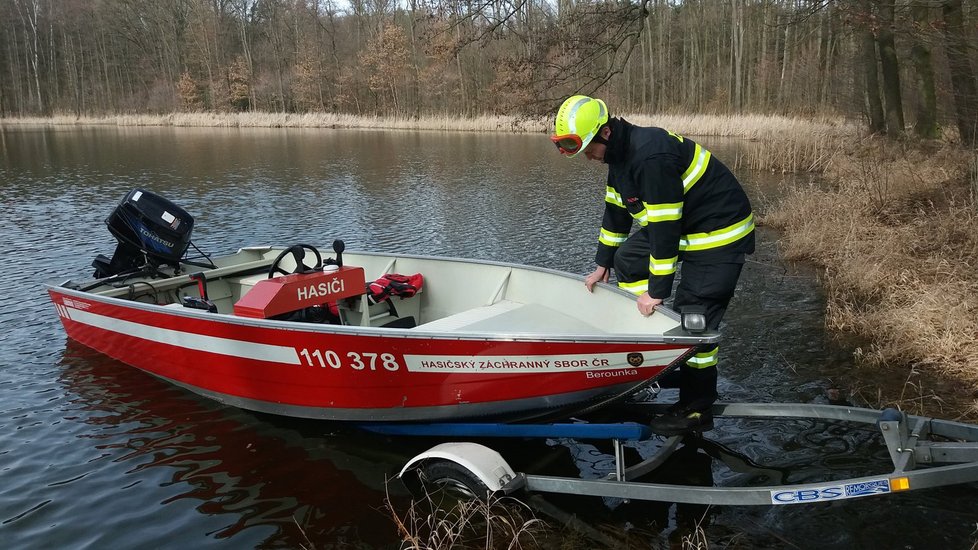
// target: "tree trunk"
[[926, 104], [737, 47], [784, 67], [416, 82], [461, 76], [3, 100], [826, 46], [243, 22], [761, 80], [893, 103], [648, 69], [874, 105], [33, 48], [665, 57], [962, 75], [6, 70]]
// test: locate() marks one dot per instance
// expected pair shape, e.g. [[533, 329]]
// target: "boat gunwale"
[[387, 332]]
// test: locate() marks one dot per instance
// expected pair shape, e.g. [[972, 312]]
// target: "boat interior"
[[456, 296]]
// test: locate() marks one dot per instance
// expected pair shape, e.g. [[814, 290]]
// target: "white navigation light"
[[694, 319]]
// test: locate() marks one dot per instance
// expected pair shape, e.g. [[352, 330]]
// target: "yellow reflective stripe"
[[612, 196], [636, 288], [642, 217], [701, 158], [675, 135], [703, 360], [663, 267], [611, 239], [718, 238], [665, 212]]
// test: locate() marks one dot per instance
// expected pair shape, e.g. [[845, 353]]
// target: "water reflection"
[[249, 480]]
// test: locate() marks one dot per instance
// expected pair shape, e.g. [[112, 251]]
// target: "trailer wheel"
[[449, 478]]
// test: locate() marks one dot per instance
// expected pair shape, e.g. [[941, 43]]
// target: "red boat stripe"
[[188, 340]]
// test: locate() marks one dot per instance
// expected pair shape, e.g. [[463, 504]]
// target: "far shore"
[[777, 143], [750, 126]]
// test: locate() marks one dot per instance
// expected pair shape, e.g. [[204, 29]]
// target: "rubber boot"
[[692, 413]]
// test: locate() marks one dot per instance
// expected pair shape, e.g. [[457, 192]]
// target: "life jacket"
[[394, 284]]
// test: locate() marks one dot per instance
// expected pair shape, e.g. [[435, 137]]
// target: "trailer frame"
[[925, 452]]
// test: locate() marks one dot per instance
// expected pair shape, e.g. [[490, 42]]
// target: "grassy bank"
[[896, 235], [293, 120]]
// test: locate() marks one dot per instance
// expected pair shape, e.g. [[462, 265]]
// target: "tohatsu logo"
[[323, 289], [154, 237]]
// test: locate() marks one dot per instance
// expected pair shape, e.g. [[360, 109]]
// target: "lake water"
[[96, 454]]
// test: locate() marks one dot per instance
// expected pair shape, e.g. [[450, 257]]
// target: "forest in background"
[[895, 64]]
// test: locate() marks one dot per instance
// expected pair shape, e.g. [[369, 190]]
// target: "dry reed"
[[437, 521], [293, 120], [776, 143], [441, 520], [750, 126], [897, 236], [745, 126]]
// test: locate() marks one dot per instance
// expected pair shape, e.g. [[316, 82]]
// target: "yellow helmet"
[[578, 121]]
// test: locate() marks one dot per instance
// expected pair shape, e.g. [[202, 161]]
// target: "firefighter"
[[693, 218]]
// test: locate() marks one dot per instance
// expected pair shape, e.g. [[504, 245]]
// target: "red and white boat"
[[478, 340]]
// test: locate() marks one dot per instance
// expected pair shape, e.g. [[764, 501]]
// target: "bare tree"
[[893, 102], [385, 59], [467, 57], [962, 75], [29, 11], [926, 104]]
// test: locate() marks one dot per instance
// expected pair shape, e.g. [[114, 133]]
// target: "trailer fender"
[[483, 462]]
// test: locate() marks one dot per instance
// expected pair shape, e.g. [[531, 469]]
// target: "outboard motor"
[[151, 231]]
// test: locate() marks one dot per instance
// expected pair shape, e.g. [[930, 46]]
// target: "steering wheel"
[[298, 253]]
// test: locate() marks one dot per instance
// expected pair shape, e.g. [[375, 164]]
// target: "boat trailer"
[[926, 452]]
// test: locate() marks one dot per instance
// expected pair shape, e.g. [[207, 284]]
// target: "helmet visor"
[[569, 144]]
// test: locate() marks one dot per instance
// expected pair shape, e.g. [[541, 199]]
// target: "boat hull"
[[335, 373]]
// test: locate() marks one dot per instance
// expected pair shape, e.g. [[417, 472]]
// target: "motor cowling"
[[149, 229]]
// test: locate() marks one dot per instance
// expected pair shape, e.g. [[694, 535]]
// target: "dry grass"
[[743, 126], [308, 120], [897, 236], [799, 152], [438, 521], [749, 126], [776, 143], [697, 539]]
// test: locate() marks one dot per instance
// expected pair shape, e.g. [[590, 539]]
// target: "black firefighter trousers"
[[706, 279]]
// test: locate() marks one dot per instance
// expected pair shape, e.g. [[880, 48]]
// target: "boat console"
[[272, 297]]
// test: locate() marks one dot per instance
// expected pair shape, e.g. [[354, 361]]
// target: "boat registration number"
[[365, 360]]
